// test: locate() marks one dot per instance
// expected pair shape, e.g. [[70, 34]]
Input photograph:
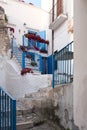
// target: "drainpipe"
[[11, 47], [53, 46]]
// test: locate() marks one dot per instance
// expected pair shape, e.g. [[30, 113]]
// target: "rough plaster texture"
[[4, 39], [80, 64], [63, 102]]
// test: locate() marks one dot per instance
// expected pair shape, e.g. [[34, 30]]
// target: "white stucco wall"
[[46, 5], [19, 13], [80, 64], [61, 35], [2, 73], [18, 85]]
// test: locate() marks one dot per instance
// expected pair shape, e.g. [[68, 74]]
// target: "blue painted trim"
[[53, 71], [7, 93], [40, 63], [50, 64], [23, 60], [14, 113], [8, 103], [23, 40]]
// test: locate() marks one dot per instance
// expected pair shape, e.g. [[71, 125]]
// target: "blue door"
[[44, 65]]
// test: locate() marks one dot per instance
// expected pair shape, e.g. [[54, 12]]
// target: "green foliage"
[[33, 63], [67, 129], [6, 18]]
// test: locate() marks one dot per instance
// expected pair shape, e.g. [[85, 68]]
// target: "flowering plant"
[[28, 56], [23, 48], [33, 63], [26, 70], [43, 51], [36, 38], [12, 29]]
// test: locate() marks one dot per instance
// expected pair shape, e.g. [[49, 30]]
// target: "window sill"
[[58, 21]]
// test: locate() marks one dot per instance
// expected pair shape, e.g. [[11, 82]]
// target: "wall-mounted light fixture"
[[24, 24]]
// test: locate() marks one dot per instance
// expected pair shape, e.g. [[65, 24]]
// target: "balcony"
[[57, 15]]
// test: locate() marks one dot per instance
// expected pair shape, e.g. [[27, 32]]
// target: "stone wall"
[[63, 99], [4, 39], [61, 108]]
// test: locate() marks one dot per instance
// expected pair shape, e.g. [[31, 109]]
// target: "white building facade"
[[23, 17], [62, 12]]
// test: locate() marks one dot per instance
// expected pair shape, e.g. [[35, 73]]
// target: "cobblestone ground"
[[45, 126]]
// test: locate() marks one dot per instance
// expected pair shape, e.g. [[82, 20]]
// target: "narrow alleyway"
[[45, 126], [35, 112]]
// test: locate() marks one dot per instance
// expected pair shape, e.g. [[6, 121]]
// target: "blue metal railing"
[[7, 111], [63, 65], [21, 56]]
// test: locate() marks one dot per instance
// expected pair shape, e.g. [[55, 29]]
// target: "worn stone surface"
[[63, 104], [4, 39], [35, 112]]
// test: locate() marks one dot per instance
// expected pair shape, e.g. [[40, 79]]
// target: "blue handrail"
[[7, 111]]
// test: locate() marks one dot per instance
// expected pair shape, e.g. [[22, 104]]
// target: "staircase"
[[33, 111], [17, 55]]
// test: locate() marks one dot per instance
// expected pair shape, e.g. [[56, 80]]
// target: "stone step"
[[28, 121], [36, 123], [33, 105], [42, 93], [35, 111]]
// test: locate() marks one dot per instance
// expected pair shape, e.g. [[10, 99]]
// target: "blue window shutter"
[[42, 34]]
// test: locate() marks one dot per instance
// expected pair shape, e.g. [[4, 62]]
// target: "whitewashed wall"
[[18, 85], [2, 73], [80, 64], [61, 35], [19, 13], [46, 5]]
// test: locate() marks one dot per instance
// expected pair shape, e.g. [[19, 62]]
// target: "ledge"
[[58, 21]]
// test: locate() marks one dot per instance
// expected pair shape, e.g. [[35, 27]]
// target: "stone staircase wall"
[[4, 39], [35, 111]]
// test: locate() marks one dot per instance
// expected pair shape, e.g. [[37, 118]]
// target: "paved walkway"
[[45, 126]]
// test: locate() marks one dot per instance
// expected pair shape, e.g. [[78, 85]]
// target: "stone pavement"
[[35, 112], [45, 126]]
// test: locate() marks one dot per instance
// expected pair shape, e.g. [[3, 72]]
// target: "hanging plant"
[[23, 48], [36, 38], [12, 29], [26, 70], [28, 56], [33, 63], [43, 51]]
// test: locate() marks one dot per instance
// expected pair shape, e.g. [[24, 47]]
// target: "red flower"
[[12, 30], [36, 37], [43, 51], [28, 56], [26, 70]]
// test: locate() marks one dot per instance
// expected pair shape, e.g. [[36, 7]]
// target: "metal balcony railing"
[[7, 111], [63, 65]]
